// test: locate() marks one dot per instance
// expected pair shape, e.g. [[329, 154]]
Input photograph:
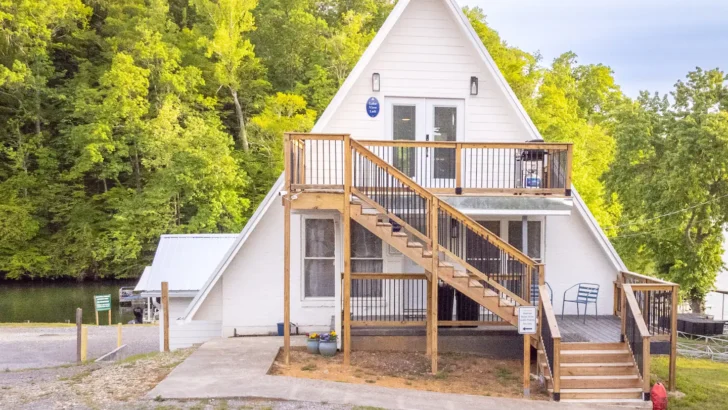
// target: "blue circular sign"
[[373, 107]]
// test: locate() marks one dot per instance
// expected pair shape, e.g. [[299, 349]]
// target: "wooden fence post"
[[526, 365], [118, 335], [79, 325], [672, 385], [84, 343], [165, 309], [287, 251], [346, 214]]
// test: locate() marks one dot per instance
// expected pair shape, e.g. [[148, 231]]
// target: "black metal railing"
[[475, 167], [389, 300], [316, 161], [396, 196], [634, 339]]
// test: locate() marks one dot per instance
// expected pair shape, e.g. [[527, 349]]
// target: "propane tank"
[[658, 394]]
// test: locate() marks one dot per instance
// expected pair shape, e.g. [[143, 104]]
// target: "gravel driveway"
[[37, 347]]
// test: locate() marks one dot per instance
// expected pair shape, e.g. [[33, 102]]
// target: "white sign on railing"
[[527, 320]]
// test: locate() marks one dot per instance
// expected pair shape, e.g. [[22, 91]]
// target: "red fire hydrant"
[[658, 394]]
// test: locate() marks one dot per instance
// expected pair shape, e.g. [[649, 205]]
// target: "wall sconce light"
[[375, 82], [473, 85], [454, 228]]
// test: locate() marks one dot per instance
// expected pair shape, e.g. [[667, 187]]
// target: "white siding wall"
[[573, 255], [183, 335], [427, 55], [212, 308], [252, 291]]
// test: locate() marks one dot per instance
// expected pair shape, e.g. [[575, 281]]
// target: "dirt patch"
[[459, 373]]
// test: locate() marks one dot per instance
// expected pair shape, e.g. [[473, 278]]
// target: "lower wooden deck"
[[605, 329]]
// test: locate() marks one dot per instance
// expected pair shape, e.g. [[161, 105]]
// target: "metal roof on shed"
[[184, 261]]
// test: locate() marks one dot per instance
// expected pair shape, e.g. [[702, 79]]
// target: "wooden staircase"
[[597, 373], [455, 276]]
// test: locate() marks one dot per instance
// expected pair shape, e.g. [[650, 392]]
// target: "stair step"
[[489, 293], [399, 234], [598, 369], [426, 254], [595, 356], [624, 393], [445, 264], [384, 224], [632, 403], [460, 274], [592, 346], [475, 284], [414, 245], [600, 382]]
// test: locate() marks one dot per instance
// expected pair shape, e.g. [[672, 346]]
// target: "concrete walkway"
[[231, 368]]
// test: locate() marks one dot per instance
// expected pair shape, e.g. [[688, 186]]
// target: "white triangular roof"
[[472, 37]]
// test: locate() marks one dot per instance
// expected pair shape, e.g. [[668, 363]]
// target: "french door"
[[425, 120]]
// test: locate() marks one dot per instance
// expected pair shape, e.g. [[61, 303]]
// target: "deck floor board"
[[603, 330]]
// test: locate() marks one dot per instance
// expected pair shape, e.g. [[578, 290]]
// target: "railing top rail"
[[446, 144], [636, 313], [305, 136], [648, 279], [490, 236], [548, 311]]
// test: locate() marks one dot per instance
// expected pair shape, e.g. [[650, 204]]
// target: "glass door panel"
[[404, 127], [444, 124]]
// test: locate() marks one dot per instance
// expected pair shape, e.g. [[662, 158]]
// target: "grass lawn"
[[704, 382]]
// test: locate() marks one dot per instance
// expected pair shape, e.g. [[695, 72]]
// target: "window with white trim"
[[319, 258], [515, 237], [366, 257]]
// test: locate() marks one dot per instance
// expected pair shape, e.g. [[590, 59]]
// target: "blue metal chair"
[[586, 293], [534, 293]]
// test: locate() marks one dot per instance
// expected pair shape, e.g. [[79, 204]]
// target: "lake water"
[[56, 302]]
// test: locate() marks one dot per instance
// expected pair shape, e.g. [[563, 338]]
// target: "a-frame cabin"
[[425, 200]]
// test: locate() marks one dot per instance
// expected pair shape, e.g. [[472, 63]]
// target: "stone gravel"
[[39, 347]]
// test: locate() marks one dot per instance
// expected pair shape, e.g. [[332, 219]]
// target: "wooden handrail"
[[548, 311], [649, 279], [636, 312], [466, 145]]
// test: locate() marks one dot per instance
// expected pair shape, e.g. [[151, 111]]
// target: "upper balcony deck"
[[316, 162]]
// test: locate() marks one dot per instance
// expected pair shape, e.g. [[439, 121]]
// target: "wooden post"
[[109, 315], [84, 343], [672, 385], [646, 382], [434, 209], [79, 325], [97, 317], [347, 249], [569, 160], [428, 325], [458, 166], [556, 371], [118, 335], [287, 252], [526, 365], [623, 304], [165, 309]]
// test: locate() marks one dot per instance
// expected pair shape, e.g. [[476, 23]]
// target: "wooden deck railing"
[[550, 340], [656, 302], [635, 333], [504, 169]]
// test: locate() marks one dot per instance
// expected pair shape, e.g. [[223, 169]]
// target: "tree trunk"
[[696, 305], [242, 134]]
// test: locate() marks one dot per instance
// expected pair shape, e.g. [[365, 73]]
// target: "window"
[[445, 129], [319, 258], [366, 257], [515, 237], [404, 128]]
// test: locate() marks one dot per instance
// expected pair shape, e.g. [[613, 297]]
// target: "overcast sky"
[[649, 44]]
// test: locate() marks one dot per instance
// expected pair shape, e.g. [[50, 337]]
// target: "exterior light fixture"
[[473, 85], [375, 82], [454, 228]]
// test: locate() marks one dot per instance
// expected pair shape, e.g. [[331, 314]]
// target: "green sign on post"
[[103, 303]]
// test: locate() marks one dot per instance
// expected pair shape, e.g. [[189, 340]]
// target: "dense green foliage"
[[121, 120], [670, 175]]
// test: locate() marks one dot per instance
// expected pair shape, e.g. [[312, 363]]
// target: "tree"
[[227, 22], [670, 175]]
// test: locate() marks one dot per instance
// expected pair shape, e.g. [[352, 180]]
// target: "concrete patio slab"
[[237, 368]]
